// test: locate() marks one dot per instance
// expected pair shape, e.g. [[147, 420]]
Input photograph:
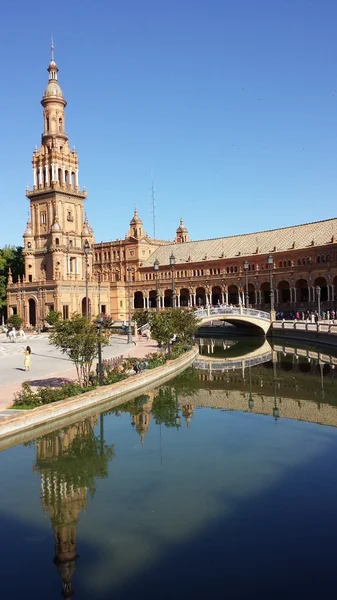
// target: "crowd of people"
[[306, 315]]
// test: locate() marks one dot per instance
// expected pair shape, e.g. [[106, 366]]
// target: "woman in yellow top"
[[27, 354]]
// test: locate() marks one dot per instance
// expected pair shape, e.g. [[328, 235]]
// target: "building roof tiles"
[[297, 237]]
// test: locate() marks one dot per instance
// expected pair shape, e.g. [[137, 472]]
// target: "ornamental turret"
[[182, 233], [136, 229]]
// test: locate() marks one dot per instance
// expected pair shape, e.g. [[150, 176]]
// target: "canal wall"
[[316, 333], [65, 412]]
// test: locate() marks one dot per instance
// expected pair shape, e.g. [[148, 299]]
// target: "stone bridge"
[[236, 315]]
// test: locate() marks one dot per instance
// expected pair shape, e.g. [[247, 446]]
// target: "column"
[[294, 295], [162, 301], [226, 294], [276, 295], [34, 177], [332, 292], [56, 172], [63, 175], [222, 298], [40, 176], [256, 300], [178, 300], [191, 299], [68, 264], [52, 172], [76, 177], [194, 299]]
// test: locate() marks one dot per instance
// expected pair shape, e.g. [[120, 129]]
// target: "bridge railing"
[[232, 365], [320, 327], [232, 310]]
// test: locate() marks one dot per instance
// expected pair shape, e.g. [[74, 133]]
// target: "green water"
[[221, 483]]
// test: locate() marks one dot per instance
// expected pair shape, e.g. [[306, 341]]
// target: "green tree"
[[172, 321], [10, 258], [141, 317], [162, 326], [78, 339], [53, 317], [15, 321]]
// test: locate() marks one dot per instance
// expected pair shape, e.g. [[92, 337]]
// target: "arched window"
[[227, 269], [231, 270], [57, 242], [235, 269], [318, 259], [280, 263], [303, 261], [298, 261], [289, 263], [73, 179], [60, 124]]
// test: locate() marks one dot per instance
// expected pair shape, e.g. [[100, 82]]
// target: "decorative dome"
[[28, 228], [56, 225], [181, 228], [53, 89], [136, 218], [86, 229]]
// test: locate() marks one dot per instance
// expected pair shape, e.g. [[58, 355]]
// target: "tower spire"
[[52, 49]]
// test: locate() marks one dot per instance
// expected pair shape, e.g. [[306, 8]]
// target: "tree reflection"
[[69, 461]]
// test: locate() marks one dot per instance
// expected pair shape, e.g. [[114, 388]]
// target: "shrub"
[[26, 398], [53, 317], [15, 321]]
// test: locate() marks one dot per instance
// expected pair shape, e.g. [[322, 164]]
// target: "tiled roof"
[[237, 246]]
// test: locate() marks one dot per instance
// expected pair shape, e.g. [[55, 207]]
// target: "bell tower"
[[54, 235]]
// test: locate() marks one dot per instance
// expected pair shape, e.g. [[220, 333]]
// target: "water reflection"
[[69, 461]]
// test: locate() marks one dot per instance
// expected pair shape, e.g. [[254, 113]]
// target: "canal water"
[[220, 484]]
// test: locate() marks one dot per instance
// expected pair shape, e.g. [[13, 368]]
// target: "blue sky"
[[231, 104]]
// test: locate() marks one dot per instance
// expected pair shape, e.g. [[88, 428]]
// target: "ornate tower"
[[182, 233], [54, 234], [56, 266]]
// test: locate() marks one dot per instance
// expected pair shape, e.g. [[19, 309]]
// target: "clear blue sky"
[[232, 104]]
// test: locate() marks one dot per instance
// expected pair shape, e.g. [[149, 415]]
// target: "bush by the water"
[[28, 398]]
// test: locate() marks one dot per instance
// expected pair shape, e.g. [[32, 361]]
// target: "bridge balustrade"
[[232, 310]]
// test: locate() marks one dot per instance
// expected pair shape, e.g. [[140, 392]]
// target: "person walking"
[[27, 354]]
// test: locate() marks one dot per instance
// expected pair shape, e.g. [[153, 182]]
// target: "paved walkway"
[[48, 365]]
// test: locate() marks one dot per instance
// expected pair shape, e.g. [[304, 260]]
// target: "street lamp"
[[271, 265], [86, 250], [246, 267], [172, 263], [156, 269], [129, 270], [318, 294], [99, 293], [99, 324]]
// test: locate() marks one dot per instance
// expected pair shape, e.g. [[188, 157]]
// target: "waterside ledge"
[[43, 419]]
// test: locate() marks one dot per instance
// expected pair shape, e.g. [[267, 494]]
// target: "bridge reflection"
[[286, 381]]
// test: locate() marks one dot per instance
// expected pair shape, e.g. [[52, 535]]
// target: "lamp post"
[[246, 267], [99, 293], [318, 294], [99, 324], [172, 263], [156, 269], [86, 250], [129, 270], [271, 265]]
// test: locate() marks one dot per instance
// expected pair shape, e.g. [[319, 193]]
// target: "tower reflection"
[[69, 461]]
